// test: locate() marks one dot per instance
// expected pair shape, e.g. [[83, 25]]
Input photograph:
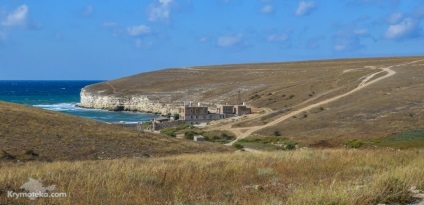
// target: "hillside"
[[381, 109], [29, 133], [284, 177]]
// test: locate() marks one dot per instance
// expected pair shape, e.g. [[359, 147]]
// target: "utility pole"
[[238, 98]]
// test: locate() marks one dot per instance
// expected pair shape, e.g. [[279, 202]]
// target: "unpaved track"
[[364, 83]]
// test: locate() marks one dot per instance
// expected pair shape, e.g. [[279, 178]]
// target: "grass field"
[[29, 133], [282, 177]]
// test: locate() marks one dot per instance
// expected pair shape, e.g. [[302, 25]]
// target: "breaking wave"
[[59, 107]]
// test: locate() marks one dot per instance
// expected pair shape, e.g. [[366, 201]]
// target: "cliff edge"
[[271, 85]]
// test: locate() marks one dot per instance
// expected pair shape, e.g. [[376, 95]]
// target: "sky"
[[109, 39]]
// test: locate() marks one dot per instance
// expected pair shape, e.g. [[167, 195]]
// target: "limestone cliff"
[[98, 100]]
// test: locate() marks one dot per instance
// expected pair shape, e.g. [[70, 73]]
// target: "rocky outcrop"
[[141, 103]]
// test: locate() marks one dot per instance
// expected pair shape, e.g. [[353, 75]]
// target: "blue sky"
[[108, 39]]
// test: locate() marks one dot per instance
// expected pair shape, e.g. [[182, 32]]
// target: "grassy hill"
[[293, 177], [273, 85], [29, 133], [384, 109]]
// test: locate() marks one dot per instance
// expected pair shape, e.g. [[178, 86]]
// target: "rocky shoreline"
[[140, 103]]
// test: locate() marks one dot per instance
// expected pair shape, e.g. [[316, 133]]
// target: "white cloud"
[[305, 8], [361, 32], [267, 9], [142, 44], [278, 37], [349, 39], [229, 41], [394, 18], [18, 17], [138, 30], [203, 39], [160, 10], [407, 28]]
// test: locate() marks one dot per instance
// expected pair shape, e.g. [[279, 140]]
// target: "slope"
[[28, 133]]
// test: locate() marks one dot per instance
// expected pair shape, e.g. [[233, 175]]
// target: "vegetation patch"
[[216, 136], [354, 144], [402, 140], [172, 131], [268, 143]]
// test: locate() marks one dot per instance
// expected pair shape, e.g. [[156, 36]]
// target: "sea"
[[62, 96]]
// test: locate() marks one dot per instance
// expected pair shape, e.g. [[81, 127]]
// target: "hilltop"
[[29, 133], [382, 109]]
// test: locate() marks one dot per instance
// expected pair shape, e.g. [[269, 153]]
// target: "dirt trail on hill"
[[364, 83]]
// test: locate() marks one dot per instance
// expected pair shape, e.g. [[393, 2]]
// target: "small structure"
[[198, 138], [161, 119], [140, 126], [234, 109]]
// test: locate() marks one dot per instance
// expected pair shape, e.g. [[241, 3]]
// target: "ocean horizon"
[[62, 96]]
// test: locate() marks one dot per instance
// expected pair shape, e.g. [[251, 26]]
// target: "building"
[[161, 119], [198, 114], [234, 109], [199, 138]]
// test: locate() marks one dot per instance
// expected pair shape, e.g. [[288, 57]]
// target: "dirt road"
[[367, 81]]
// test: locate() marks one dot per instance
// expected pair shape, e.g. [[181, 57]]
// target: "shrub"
[[290, 146], [254, 97], [176, 116], [238, 146], [183, 126], [172, 132], [6, 155], [277, 133], [190, 134], [354, 144]]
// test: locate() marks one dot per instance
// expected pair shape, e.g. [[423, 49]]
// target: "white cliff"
[[141, 103]]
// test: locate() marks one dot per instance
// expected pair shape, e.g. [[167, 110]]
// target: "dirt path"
[[114, 90], [364, 83]]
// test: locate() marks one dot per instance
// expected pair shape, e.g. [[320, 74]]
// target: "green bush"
[[354, 144], [190, 135], [176, 116], [172, 132], [238, 146], [290, 146]]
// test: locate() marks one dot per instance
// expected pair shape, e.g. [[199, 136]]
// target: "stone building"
[[198, 114], [234, 109]]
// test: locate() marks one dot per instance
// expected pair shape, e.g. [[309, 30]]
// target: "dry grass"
[[28, 133], [284, 177], [381, 110], [220, 84]]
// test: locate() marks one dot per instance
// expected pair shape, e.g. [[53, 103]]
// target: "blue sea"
[[62, 96]]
